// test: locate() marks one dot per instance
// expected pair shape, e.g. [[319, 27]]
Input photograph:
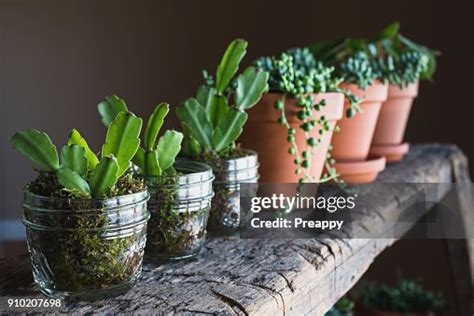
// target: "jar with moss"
[[179, 207], [212, 123], [225, 215], [85, 215], [86, 248]]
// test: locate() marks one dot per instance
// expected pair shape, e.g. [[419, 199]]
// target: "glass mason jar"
[[86, 248], [225, 215], [179, 207]]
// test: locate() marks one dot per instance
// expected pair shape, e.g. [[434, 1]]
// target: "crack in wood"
[[230, 302], [271, 292], [289, 283]]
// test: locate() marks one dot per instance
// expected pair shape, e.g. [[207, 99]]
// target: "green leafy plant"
[[157, 155], [399, 60], [408, 296], [297, 74], [70, 240], [350, 59], [343, 307], [171, 231], [78, 170], [391, 58], [213, 120]]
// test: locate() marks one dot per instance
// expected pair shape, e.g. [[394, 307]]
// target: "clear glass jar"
[[86, 249], [225, 214], [179, 207]]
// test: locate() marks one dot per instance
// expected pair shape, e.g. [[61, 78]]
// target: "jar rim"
[[36, 202], [202, 173]]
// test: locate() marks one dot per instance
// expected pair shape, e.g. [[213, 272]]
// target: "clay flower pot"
[[394, 115], [263, 134], [392, 123], [353, 141], [351, 144]]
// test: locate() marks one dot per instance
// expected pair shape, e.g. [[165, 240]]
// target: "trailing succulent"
[[213, 119], [400, 61], [78, 171], [408, 296], [157, 156], [297, 74]]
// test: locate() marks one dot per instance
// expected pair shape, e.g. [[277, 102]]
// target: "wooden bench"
[[235, 276]]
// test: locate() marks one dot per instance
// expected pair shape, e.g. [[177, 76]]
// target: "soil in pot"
[[266, 136]]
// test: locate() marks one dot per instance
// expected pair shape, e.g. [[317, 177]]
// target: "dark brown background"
[[59, 58]]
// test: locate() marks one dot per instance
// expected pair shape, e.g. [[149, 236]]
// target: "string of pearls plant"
[[296, 74]]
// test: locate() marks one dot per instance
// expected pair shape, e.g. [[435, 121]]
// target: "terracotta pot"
[[356, 172], [352, 142], [263, 134], [394, 115]]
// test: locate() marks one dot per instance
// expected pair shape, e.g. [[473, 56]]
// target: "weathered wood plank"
[[266, 277]]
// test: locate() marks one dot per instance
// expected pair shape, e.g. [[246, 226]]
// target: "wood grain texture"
[[235, 276]]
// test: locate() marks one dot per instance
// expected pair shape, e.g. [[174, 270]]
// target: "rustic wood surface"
[[235, 276]]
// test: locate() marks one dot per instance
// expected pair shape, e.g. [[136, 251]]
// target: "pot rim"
[[201, 177], [289, 96], [105, 203]]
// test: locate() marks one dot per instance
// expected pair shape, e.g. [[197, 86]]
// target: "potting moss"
[[173, 232], [225, 210], [75, 253]]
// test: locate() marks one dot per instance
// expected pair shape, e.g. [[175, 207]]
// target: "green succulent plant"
[[391, 58], [408, 296], [157, 155], [297, 74], [213, 120], [343, 307], [77, 168], [400, 61], [349, 58]]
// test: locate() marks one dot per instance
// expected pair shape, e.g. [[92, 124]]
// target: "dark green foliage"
[[214, 119], [296, 72], [399, 60], [408, 296], [344, 307], [391, 58], [350, 60], [357, 69]]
